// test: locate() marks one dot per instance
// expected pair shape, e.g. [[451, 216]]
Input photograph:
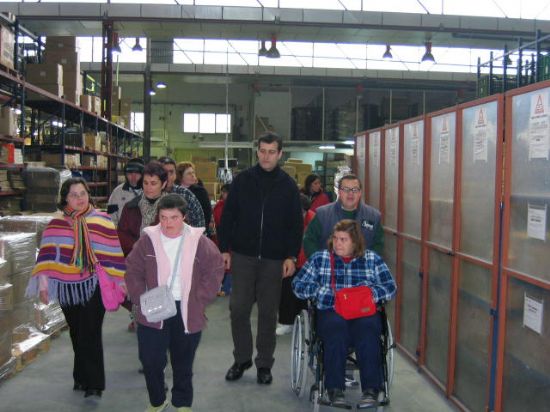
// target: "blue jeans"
[[153, 344], [338, 335]]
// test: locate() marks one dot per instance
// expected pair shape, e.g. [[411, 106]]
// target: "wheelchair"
[[306, 359]]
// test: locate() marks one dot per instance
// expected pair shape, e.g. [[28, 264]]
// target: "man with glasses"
[[348, 206]]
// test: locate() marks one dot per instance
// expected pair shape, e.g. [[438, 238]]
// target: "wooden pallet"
[[30, 353]]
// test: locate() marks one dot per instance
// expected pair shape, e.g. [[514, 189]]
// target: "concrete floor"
[[46, 384]]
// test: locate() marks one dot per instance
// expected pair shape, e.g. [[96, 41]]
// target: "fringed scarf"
[[83, 254]]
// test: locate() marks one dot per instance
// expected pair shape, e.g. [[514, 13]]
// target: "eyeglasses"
[[73, 195], [350, 189]]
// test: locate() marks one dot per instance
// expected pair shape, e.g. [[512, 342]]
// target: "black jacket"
[[267, 225]]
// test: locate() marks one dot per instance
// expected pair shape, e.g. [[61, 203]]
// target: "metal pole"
[[147, 83]]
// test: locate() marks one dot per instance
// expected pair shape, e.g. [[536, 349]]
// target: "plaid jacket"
[[313, 281]]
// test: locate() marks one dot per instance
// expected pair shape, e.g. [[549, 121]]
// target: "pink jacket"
[[201, 268]]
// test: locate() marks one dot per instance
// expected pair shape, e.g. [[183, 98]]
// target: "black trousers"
[[290, 305], [153, 344], [255, 280], [85, 326]]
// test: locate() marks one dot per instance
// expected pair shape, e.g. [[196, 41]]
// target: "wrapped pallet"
[[27, 224], [28, 343], [19, 249], [43, 184], [48, 318]]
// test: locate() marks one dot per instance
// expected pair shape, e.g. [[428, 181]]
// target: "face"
[[133, 178], [315, 186], [189, 177], [78, 198], [349, 194], [224, 195], [342, 244], [171, 172], [171, 222], [152, 186], [268, 155]]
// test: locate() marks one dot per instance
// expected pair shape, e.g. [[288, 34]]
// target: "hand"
[[226, 261], [289, 267], [44, 297]]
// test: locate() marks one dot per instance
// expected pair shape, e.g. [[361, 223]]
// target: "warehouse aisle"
[[46, 384]]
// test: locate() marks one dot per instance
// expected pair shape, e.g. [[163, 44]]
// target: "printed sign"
[[480, 136], [536, 221], [532, 313], [539, 128], [444, 141]]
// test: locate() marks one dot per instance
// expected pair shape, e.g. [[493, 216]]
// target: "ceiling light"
[[137, 47], [116, 48], [428, 56], [387, 54], [161, 85], [152, 92], [350, 142], [327, 147], [263, 51], [273, 53]]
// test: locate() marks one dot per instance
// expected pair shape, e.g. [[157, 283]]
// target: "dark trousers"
[[85, 324], [338, 335], [255, 280], [290, 305], [153, 344]]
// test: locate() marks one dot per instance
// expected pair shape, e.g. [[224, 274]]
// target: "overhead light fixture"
[[387, 54], [350, 142], [327, 147], [263, 51], [428, 56], [161, 85], [152, 92], [137, 47], [273, 53], [508, 60], [116, 45]]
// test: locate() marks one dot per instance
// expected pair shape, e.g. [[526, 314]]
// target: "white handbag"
[[158, 304]]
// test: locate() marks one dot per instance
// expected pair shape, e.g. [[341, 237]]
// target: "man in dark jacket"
[[262, 227]]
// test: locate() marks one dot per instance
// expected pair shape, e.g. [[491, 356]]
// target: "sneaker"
[[337, 399], [283, 330], [159, 408], [369, 399]]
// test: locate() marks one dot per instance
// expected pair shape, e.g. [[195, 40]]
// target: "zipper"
[[261, 229]]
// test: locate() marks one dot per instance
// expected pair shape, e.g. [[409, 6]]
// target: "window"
[[209, 123], [137, 121]]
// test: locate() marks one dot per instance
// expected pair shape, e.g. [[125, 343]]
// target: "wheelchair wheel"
[[388, 347], [389, 354], [299, 353]]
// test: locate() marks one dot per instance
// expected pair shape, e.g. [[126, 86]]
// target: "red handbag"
[[351, 303]]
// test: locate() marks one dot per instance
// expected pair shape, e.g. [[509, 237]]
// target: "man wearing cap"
[[125, 192]]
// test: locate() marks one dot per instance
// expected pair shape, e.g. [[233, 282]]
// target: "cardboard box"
[[7, 44], [86, 102], [68, 59], [62, 43], [92, 141], [7, 153], [45, 73], [51, 159], [88, 160], [55, 89], [8, 122], [206, 171], [96, 104]]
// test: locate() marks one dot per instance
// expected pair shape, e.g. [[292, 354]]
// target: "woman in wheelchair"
[[353, 266]]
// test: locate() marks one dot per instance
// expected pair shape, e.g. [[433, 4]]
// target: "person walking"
[[124, 192], [262, 226], [176, 254], [72, 248]]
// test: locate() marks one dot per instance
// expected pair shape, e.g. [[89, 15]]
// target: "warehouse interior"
[[350, 86]]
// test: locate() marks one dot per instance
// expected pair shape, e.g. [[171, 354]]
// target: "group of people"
[[158, 234]]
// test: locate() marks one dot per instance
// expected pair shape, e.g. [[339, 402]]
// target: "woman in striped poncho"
[[70, 250]]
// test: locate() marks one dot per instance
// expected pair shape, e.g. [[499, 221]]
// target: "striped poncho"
[[66, 282]]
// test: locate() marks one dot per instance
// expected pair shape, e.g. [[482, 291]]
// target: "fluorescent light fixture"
[[351, 142], [161, 85], [221, 145], [152, 92], [327, 147]]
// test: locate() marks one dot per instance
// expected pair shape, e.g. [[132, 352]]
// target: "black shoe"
[[337, 399], [236, 371], [78, 387], [92, 392], [264, 376], [369, 399]]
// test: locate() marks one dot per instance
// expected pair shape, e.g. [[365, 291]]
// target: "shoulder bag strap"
[[175, 268]]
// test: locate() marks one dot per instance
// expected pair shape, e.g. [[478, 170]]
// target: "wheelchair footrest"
[[326, 402]]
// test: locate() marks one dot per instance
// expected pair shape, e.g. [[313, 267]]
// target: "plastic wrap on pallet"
[[27, 224], [5, 346], [4, 270], [20, 281], [22, 314], [19, 249], [6, 298], [28, 342], [48, 318], [8, 368], [6, 318]]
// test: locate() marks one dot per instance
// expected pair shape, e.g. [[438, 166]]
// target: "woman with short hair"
[[347, 260]]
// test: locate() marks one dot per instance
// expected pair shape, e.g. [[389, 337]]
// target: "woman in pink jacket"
[[198, 272]]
